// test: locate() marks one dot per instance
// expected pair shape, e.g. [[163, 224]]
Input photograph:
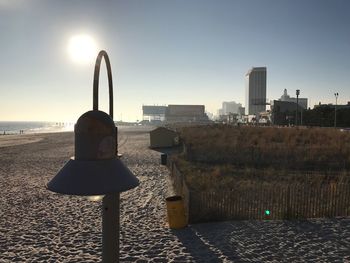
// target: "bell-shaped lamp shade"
[[98, 177], [95, 170]]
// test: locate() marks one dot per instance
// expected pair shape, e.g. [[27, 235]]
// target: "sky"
[[168, 52]]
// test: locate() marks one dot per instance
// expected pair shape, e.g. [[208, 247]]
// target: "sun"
[[82, 49]]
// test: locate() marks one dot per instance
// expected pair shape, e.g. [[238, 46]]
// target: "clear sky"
[[169, 51]]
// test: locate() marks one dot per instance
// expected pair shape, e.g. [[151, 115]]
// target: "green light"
[[267, 212]]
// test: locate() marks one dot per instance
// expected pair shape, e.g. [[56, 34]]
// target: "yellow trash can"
[[176, 212]]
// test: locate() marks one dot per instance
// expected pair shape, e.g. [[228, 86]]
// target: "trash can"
[[176, 212], [163, 158]]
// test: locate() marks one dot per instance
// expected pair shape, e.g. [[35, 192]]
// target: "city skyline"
[[175, 52]]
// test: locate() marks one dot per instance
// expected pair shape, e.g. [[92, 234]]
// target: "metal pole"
[[110, 202], [335, 109], [296, 118], [296, 115], [110, 228]]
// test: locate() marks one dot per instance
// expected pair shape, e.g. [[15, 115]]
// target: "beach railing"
[[264, 200]]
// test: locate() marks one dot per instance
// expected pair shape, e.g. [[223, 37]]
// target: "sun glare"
[[82, 49]]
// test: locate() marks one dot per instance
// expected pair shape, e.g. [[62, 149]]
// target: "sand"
[[39, 226], [12, 140]]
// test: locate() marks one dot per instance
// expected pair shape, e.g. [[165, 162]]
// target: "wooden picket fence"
[[264, 201]]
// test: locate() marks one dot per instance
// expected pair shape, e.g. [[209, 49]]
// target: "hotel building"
[[255, 91]]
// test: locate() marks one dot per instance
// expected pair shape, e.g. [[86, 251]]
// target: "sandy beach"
[[37, 225], [12, 140]]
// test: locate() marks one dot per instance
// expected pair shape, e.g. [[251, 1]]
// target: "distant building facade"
[[186, 113], [283, 112], [231, 112], [153, 113], [241, 111], [230, 107], [174, 113], [339, 106], [220, 112], [301, 101], [255, 91]]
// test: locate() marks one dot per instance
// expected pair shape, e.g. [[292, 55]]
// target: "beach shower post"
[[96, 168]]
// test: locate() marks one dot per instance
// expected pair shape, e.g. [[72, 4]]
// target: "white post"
[[110, 228]]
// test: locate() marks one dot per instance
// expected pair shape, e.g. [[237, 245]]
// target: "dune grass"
[[221, 156]]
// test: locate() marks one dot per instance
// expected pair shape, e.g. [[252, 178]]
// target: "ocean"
[[15, 127]]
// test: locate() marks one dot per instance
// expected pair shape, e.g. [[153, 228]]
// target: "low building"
[[301, 101], [241, 111], [163, 137], [284, 112], [174, 113], [339, 106], [153, 113], [186, 113], [231, 118]]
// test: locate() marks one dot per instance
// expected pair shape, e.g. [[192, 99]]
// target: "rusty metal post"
[[110, 202]]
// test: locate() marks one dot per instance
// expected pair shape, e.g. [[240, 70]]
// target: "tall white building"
[[230, 107], [255, 91]]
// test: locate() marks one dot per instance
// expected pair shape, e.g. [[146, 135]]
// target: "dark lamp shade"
[[100, 177]]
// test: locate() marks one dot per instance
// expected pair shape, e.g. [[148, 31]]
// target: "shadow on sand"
[[316, 240], [200, 247]]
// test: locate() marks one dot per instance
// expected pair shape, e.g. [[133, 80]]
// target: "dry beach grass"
[[39, 226], [222, 156], [264, 147]]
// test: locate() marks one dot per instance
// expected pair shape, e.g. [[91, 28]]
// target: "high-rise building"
[[255, 91]]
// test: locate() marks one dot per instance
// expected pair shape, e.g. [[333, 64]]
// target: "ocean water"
[[14, 127]]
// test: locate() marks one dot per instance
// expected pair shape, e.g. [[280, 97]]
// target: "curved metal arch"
[[103, 54]]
